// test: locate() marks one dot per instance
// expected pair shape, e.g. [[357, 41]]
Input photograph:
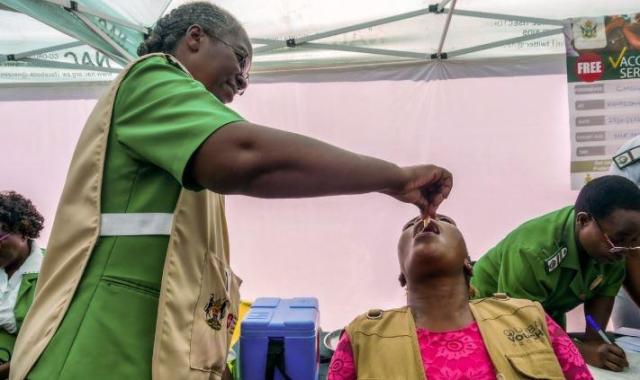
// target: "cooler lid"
[[282, 317]]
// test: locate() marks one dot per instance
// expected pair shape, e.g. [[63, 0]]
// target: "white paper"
[[628, 331]]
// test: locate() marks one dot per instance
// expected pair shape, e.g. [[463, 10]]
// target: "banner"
[[76, 64], [603, 73]]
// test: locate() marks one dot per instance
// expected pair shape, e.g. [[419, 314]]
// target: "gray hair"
[[170, 28]]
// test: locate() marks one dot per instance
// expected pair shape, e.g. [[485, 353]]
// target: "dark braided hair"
[[19, 215], [170, 29]]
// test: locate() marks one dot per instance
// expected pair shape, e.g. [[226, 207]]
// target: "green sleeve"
[[26, 293], [24, 300], [7, 341], [484, 279], [161, 115], [612, 281], [519, 277]]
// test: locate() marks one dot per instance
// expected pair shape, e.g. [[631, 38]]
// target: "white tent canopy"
[[62, 41], [294, 35], [33, 52]]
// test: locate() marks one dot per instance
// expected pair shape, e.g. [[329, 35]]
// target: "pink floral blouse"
[[461, 354]]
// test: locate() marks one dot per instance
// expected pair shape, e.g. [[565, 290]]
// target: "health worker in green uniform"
[[571, 256], [626, 310], [20, 260], [170, 130]]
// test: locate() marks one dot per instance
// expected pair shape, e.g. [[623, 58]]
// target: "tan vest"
[[385, 344], [196, 270]]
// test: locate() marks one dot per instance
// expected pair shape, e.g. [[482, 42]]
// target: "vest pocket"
[[132, 286], [120, 314], [536, 364], [215, 316]]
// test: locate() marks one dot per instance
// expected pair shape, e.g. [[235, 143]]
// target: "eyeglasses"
[[5, 236], [612, 247], [243, 59]]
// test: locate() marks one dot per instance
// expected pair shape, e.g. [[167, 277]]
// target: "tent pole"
[[268, 48], [264, 41], [357, 49], [492, 45], [499, 16], [445, 29], [63, 65], [364, 25], [124, 53], [269, 45], [76, 7], [30, 53], [443, 4], [347, 29]]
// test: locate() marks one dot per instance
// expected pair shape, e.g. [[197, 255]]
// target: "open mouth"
[[431, 227]]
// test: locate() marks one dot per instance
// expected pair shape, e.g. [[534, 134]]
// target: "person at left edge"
[[112, 304], [20, 260], [569, 257]]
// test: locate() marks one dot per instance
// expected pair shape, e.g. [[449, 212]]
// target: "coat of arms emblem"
[[215, 310]]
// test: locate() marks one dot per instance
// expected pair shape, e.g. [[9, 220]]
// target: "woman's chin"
[[225, 95], [427, 250], [427, 243]]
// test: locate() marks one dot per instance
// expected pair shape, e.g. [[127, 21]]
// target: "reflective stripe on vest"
[[136, 224]]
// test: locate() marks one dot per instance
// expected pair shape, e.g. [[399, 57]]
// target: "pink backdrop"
[[505, 139]]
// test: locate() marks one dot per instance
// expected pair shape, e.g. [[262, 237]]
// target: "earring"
[[472, 292]]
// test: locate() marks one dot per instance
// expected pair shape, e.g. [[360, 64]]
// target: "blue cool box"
[[290, 328]]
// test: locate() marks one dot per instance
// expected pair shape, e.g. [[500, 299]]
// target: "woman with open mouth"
[[441, 334]]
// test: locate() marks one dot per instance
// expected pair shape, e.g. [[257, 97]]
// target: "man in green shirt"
[[571, 256], [626, 309]]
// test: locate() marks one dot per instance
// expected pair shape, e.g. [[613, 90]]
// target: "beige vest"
[[196, 271], [385, 344]]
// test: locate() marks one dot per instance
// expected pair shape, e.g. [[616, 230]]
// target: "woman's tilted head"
[[436, 249]]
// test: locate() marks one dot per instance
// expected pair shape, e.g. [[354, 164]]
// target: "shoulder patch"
[[628, 157], [552, 263]]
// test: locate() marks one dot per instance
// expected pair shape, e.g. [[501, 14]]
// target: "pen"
[[594, 325]]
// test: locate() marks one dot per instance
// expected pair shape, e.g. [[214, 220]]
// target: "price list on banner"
[[603, 73]]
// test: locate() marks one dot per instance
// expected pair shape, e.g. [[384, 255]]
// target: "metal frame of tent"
[[121, 55], [265, 46], [307, 41]]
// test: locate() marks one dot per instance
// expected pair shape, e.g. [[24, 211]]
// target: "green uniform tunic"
[[26, 291], [539, 261], [160, 118]]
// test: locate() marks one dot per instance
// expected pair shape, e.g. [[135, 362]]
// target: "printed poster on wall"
[[18, 72], [603, 73]]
